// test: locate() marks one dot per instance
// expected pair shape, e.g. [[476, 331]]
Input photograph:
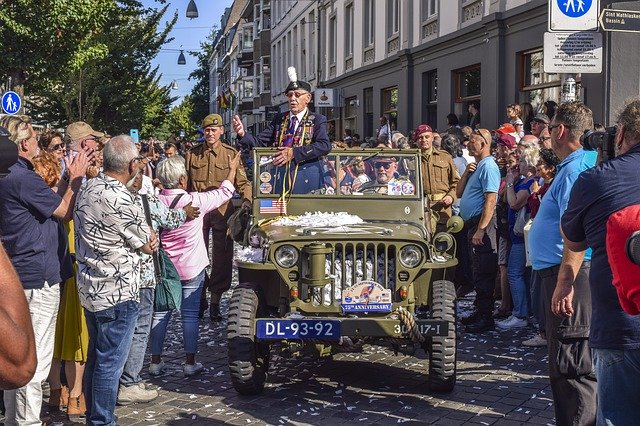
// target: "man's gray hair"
[[629, 117], [170, 170], [118, 153]]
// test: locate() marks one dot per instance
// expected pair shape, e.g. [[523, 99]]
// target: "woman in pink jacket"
[[186, 248]]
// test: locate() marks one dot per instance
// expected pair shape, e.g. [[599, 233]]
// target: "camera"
[[8, 152], [592, 140], [633, 248]]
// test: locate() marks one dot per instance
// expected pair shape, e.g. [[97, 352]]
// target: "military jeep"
[[348, 264]]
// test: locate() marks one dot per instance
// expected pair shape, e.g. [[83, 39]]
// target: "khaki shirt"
[[439, 179], [207, 168]]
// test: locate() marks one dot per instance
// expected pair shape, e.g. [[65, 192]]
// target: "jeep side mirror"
[[455, 224]]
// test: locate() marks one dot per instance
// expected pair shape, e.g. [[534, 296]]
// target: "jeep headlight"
[[258, 238], [410, 256], [286, 256], [443, 242]]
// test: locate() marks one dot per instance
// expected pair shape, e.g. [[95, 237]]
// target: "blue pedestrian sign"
[[11, 102], [573, 15], [574, 8]]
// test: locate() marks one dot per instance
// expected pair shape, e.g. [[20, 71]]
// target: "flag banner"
[[273, 207]]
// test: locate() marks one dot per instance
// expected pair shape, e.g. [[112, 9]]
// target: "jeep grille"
[[350, 263]]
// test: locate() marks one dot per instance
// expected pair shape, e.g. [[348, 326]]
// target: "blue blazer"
[[306, 157]]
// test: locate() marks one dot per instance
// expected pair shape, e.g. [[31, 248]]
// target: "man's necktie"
[[288, 141]]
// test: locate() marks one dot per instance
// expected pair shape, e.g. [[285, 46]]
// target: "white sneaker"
[[535, 341], [136, 393], [192, 369], [512, 323], [156, 369]]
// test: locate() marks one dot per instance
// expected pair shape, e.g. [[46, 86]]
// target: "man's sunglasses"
[[296, 94], [386, 166]]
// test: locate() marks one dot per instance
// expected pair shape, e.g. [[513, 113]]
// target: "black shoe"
[[214, 312], [462, 291], [470, 319], [202, 308], [481, 325]]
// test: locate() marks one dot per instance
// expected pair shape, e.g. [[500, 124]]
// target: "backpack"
[[620, 226]]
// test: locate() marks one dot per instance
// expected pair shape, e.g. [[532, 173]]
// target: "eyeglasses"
[[478, 132], [385, 166], [57, 147], [296, 94], [550, 127]]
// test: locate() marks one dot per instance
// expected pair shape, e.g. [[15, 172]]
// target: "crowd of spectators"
[[73, 223]]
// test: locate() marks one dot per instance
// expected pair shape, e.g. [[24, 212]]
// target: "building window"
[[333, 35], [393, 17], [429, 9], [350, 113], [431, 98], [467, 90], [348, 30], [390, 105], [367, 98], [537, 86], [303, 45], [312, 43], [247, 91], [369, 23], [246, 41]]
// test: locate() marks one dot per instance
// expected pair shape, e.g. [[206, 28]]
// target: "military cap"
[[212, 120]]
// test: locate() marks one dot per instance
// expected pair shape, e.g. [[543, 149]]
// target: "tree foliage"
[[200, 92], [87, 60]]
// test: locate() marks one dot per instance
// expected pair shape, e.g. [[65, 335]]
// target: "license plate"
[[297, 329]]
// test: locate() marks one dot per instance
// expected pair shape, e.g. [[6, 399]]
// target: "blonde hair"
[[18, 127]]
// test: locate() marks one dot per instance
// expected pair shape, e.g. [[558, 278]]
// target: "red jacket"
[[626, 274]]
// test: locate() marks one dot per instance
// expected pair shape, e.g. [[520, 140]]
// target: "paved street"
[[499, 382]]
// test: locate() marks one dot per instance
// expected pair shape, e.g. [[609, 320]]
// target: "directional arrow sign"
[[620, 20]]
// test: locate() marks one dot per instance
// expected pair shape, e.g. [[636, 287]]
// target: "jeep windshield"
[[351, 173]]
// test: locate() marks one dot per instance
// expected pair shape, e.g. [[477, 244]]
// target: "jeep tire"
[[248, 359], [442, 356]]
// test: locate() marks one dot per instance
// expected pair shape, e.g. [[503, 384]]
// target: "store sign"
[[573, 15], [573, 53], [325, 98]]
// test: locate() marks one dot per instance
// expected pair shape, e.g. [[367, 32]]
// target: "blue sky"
[[188, 34]]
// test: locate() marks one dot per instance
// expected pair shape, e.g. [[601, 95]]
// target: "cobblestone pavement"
[[499, 382]]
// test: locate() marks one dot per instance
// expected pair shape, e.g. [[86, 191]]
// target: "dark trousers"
[[571, 371], [219, 280], [484, 266]]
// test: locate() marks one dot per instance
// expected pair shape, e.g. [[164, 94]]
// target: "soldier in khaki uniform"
[[207, 166], [439, 175]]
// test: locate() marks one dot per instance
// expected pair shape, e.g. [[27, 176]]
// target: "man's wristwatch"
[[509, 185]]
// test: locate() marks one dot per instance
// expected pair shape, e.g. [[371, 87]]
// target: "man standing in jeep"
[[301, 138]]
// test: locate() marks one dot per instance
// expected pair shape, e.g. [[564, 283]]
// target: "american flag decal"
[[273, 207]]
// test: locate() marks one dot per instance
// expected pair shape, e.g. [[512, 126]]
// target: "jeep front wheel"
[[442, 356], [248, 359]]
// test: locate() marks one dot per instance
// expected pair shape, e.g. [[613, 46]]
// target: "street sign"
[[573, 15], [134, 135], [11, 102], [573, 53], [620, 20]]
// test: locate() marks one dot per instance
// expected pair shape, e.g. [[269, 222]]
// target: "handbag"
[[168, 294], [522, 217], [168, 287]]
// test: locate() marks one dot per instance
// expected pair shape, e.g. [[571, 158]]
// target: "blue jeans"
[[133, 366], [520, 292], [191, 290], [618, 376], [110, 335]]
